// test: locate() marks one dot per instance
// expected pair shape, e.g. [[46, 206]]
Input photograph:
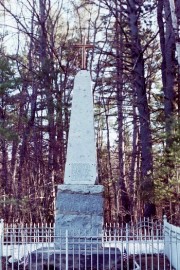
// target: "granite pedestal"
[[79, 210]]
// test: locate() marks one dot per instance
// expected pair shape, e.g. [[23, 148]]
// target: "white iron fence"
[[172, 243], [145, 245]]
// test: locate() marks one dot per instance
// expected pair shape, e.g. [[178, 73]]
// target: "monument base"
[[79, 210]]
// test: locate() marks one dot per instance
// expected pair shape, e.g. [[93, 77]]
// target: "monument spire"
[[84, 46], [81, 163]]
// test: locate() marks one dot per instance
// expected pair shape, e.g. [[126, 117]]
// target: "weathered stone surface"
[[79, 223], [81, 162], [78, 199], [84, 189], [73, 204], [79, 212]]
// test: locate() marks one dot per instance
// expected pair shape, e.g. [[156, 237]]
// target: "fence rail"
[[145, 245]]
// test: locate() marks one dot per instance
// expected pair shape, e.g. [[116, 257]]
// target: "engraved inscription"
[[80, 171]]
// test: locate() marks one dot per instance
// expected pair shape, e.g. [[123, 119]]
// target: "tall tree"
[[139, 86], [170, 74], [167, 42]]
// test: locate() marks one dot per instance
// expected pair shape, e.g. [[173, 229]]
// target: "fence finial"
[[165, 218], [1, 226]]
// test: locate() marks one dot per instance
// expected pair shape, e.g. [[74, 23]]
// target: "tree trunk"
[[139, 86], [169, 93], [175, 23], [134, 159], [167, 42], [119, 97], [47, 68]]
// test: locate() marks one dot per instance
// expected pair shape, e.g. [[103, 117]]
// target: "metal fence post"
[[127, 244], [66, 250], [1, 241], [164, 219]]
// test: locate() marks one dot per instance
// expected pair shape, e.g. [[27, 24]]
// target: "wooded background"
[[135, 68]]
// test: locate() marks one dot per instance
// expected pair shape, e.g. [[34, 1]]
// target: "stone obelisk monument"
[[79, 203]]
